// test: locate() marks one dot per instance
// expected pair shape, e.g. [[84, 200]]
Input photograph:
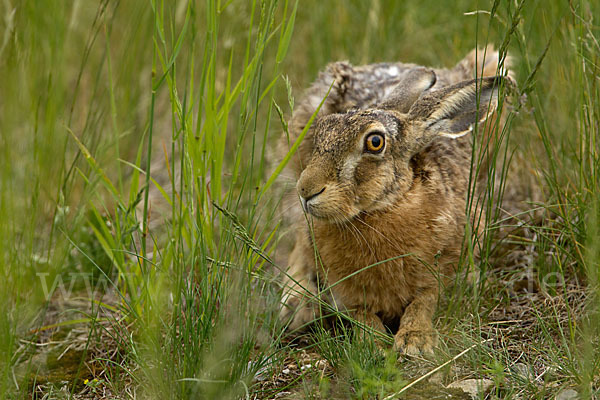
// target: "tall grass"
[[137, 143]]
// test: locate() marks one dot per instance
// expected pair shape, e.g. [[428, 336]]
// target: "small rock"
[[285, 371], [262, 373], [551, 373], [305, 367], [437, 378], [474, 387], [443, 375], [567, 394], [522, 370]]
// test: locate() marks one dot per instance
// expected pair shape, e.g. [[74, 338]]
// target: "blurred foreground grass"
[[94, 95]]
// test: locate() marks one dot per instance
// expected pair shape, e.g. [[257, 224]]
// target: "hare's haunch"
[[383, 175]]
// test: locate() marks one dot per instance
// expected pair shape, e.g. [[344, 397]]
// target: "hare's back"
[[357, 87], [361, 87], [370, 84]]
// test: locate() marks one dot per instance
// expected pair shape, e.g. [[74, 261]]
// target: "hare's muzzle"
[[306, 199], [312, 182]]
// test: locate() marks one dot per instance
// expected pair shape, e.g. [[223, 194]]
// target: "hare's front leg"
[[372, 321], [416, 335], [299, 287]]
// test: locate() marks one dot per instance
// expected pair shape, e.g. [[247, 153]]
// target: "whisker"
[[394, 245], [356, 232]]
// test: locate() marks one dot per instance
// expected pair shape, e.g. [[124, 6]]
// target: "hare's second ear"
[[453, 111], [408, 90]]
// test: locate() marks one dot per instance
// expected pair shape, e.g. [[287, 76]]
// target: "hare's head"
[[361, 159]]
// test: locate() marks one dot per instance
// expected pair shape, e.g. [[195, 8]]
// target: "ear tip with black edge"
[[501, 80], [433, 77]]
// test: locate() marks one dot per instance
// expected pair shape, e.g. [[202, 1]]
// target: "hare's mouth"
[[311, 201], [329, 215], [329, 203], [330, 211], [315, 208]]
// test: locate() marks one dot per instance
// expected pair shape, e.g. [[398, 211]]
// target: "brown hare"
[[383, 178]]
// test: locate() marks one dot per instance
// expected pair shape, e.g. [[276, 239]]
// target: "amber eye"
[[374, 142]]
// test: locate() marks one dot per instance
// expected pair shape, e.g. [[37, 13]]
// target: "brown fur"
[[405, 204]]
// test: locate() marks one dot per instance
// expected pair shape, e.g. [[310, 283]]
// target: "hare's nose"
[[306, 195], [308, 192]]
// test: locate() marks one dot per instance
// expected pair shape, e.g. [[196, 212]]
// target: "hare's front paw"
[[415, 342], [296, 313]]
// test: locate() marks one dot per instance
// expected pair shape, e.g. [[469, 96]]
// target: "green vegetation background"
[[95, 94]]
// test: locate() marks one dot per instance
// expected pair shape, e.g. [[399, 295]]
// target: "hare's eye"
[[374, 143]]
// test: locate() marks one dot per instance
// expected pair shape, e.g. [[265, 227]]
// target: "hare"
[[382, 179]]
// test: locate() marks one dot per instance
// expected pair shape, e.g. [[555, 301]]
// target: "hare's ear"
[[407, 91], [453, 111]]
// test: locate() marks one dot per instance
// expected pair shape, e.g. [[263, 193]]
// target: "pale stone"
[[522, 370], [567, 394], [474, 387]]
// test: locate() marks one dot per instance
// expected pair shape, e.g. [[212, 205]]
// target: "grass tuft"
[[142, 235]]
